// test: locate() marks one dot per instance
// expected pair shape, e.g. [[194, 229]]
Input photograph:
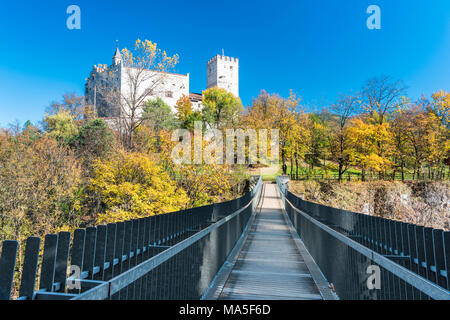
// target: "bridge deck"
[[270, 264]]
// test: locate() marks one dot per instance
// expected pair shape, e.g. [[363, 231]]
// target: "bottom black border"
[[228, 309]]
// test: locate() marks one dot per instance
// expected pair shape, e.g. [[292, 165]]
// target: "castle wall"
[[100, 77], [167, 86]]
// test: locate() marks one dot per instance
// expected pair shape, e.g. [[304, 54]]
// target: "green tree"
[[317, 142], [220, 108], [158, 115], [94, 140], [61, 126]]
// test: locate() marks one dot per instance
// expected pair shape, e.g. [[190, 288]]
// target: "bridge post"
[[284, 180]]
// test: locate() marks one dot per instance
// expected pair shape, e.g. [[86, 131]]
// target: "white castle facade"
[[222, 72]]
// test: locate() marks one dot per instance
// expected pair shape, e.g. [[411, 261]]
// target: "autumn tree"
[[439, 136], [382, 95], [270, 111], [364, 138], [73, 104], [185, 113], [416, 133], [204, 183], [316, 141], [296, 146], [132, 185], [39, 186], [400, 144], [146, 140], [343, 109], [440, 107]]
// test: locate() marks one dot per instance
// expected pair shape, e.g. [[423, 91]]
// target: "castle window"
[[150, 92], [169, 94]]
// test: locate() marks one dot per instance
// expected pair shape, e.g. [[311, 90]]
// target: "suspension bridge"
[[267, 244]]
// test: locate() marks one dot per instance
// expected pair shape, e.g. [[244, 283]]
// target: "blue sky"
[[317, 48]]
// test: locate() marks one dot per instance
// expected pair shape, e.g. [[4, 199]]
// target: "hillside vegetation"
[[418, 202]]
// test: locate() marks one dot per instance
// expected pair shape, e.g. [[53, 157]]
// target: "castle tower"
[[117, 59], [223, 72]]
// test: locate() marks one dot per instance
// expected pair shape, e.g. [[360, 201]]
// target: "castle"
[[222, 72]]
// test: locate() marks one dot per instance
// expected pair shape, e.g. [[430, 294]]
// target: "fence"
[[169, 256], [349, 176], [414, 261]]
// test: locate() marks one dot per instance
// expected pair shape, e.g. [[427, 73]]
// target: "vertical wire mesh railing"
[[168, 256], [368, 257]]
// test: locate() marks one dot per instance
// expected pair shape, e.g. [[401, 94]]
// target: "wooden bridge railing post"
[[48, 263], [118, 252], [30, 267], [77, 258], [62, 259], [7, 267]]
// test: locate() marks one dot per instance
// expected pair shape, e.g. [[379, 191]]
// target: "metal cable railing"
[[367, 257], [169, 256]]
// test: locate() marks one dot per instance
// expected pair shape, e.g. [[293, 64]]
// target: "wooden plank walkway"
[[270, 264]]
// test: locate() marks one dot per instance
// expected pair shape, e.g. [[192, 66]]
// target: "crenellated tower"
[[223, 72]]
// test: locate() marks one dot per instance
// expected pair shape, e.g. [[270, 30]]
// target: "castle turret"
[[223, 72], [117, 59]]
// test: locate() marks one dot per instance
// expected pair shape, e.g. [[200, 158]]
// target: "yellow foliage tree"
[[132, 185], [270, 111], [39, 186], [440, 106], [205, 183], [365, 140], [185, 113]]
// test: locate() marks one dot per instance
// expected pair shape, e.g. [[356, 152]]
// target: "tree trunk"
[[283, 160], [292, 166]]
